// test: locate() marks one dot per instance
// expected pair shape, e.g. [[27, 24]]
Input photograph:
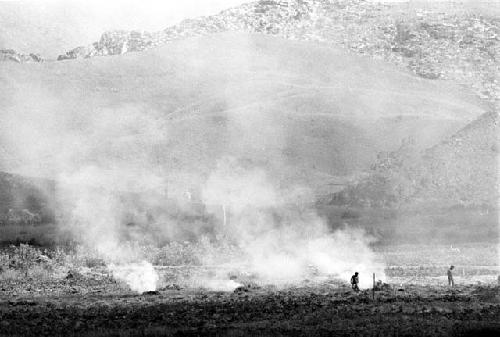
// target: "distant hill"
[[460, 171], [464, 169], [437, 41], [310, 114], [455, 40]]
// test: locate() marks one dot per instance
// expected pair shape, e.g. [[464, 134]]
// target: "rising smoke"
[[280, 239], [106, 164]]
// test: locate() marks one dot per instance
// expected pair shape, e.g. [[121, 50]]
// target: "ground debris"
[[381, 286], [171, 286], [246, 288], [295, 310], [151, 292]]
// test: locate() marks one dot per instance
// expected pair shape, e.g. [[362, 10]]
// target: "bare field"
[[318, 310], [79, 297]]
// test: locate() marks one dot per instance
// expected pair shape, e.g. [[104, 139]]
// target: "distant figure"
[[355, 281], [450, 276]]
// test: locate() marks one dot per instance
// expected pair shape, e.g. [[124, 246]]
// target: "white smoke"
[[97, 159], [280, 238], [112, 165], [140, 277], [97, 164], [218, 284]]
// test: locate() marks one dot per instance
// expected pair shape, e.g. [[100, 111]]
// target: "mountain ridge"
[[435, 41], [433, 44]]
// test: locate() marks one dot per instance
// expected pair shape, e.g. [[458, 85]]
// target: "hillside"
[[310, 96], [462, 170], [465, 168], [307, 112], [438, 41]]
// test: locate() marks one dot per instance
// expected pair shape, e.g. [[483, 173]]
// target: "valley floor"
[[93, 306], [60, 294]]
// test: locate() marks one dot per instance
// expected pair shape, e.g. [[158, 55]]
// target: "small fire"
[[140, 277]]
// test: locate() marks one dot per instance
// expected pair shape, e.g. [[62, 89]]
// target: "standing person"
[[450, 276], [355, 281]]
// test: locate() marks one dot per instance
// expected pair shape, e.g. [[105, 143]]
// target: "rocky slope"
[[444, 43], [13, 56], [462, 170]]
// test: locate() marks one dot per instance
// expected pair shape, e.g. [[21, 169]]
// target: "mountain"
[[435, 41], [311, 114], [460, 171], [380, 147]]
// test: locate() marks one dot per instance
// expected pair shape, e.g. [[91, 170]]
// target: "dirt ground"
[[98, 306]]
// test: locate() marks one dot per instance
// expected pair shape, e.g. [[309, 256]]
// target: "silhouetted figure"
[[450, 276], [355, 281]]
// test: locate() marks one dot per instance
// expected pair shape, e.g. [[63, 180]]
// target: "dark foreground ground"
[[102, 308], [55, 293]]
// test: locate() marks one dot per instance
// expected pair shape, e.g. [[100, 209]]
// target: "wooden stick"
[[373, 289], [224, 214]]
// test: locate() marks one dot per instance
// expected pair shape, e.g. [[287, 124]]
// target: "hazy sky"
[[127, 14], [53, 26]]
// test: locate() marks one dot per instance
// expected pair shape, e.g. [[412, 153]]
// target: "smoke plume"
[[280, 239], [116, 185]]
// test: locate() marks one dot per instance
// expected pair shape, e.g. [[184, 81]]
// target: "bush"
[[403, 33]]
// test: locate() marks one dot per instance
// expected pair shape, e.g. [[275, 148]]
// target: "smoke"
[[108, 176], [282, 240], [104, 168], [112, 180], [140, 277], [117, 184]]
